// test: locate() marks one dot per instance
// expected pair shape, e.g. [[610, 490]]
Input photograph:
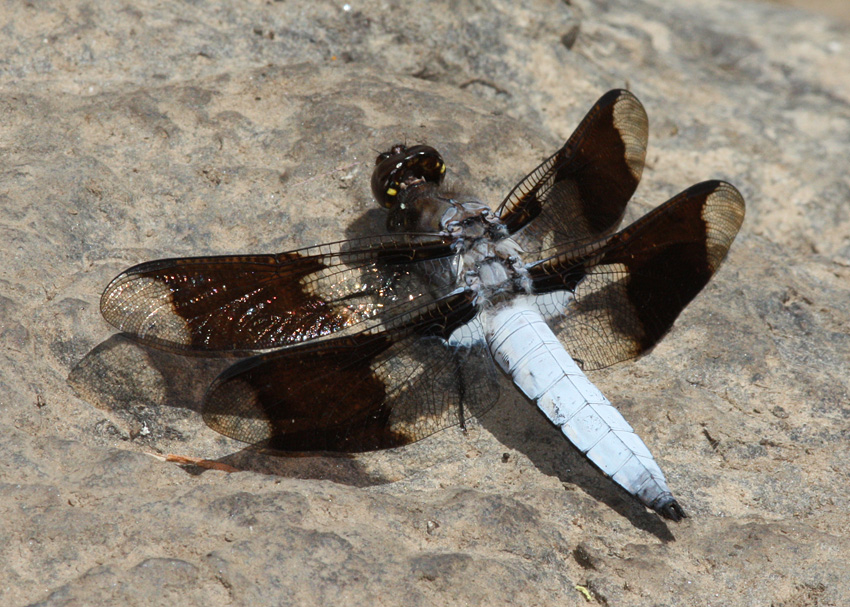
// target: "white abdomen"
[[527, 350]]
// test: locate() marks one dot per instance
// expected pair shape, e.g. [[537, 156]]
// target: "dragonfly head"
[[402, 168]]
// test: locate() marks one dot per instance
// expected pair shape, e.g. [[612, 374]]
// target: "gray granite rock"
[[166, 129]]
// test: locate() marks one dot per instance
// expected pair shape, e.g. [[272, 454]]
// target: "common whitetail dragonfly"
[[378, 342]]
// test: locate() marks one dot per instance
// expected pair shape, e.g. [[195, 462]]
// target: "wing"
[[375, 389], [256, 302], [628, 289], [579, 194]]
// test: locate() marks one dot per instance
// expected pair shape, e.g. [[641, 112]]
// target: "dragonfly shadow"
[[371, 221], [153, 399]]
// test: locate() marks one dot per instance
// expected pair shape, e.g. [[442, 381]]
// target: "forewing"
[[375, 389], [629, 289], [579, 194], [257, 302]]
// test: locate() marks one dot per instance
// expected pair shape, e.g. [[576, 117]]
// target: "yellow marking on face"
[[442, 169], [391, 191]]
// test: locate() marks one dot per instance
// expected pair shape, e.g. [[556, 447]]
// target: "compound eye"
[[402, 168], [397, 149]]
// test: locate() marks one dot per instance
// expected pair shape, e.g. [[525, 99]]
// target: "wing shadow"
[[153, 398]]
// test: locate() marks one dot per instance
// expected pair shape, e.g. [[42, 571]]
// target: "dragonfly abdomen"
[[526, 349]]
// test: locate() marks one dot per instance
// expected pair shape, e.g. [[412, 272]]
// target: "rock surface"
[[169, 129]]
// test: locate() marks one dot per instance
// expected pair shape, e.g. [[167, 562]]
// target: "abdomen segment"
[[526, 349]]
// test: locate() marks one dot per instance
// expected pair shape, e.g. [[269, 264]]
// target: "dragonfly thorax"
[[491, 261]]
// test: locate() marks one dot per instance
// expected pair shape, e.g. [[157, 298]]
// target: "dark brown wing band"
[[630, 288], [255, 302], [371, 390], [580, 193]]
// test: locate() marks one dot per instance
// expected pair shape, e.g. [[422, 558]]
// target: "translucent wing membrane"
[[256, 302], [372, 390], [580, 192], [629, 288]]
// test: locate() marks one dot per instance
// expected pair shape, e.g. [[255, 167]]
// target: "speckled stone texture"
[[134, 131]]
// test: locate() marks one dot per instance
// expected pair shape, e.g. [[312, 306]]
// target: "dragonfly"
[[380, 341]]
